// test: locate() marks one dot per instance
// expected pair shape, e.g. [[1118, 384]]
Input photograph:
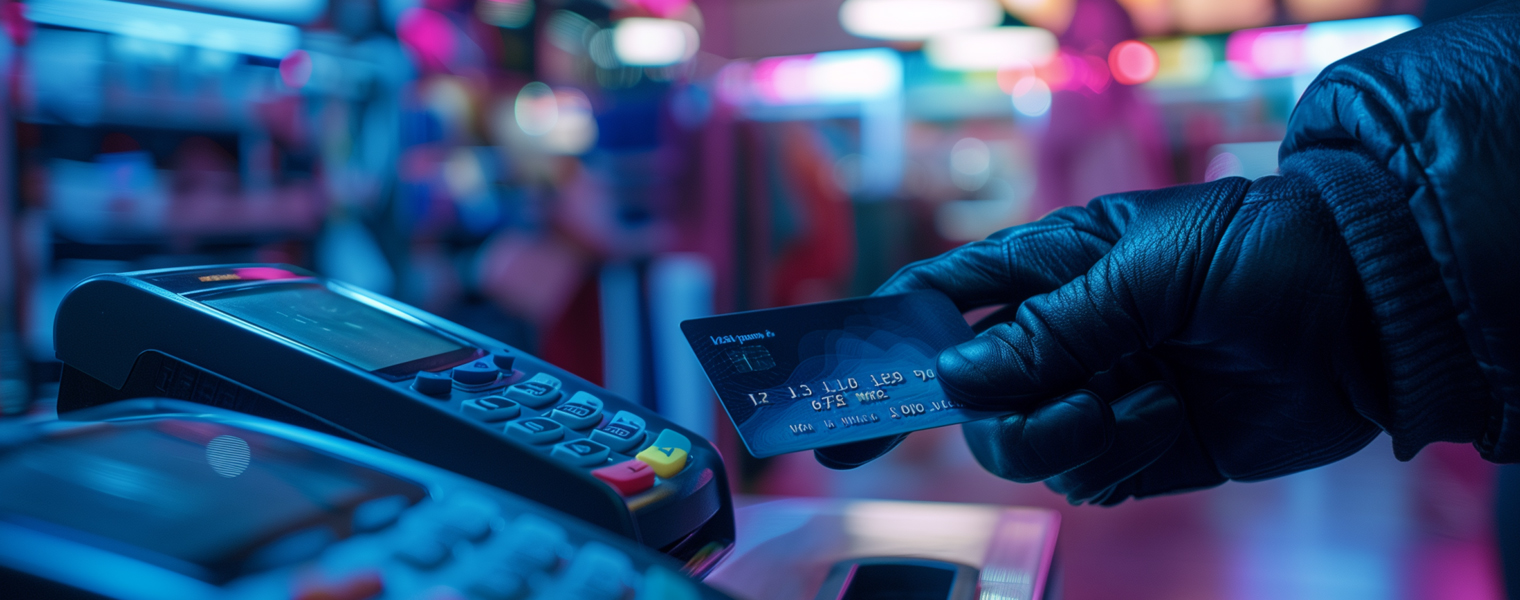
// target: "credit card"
[[816, 375]]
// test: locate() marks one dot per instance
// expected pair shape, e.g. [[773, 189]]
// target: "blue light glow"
[[215, 32]]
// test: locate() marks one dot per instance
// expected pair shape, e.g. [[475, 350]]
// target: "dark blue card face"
[[816, 375]]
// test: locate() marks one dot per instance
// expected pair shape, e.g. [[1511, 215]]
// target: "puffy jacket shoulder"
[[1439, 108]]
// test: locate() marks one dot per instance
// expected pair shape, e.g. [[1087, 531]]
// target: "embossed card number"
[[817, 375]]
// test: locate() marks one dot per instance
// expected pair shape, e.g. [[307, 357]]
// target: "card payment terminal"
[[283, 343], [150, 498]]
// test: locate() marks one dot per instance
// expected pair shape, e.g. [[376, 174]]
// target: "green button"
[[663, 584]]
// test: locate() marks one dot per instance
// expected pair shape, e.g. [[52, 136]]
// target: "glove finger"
[[1012, 264], [1055, 343], [855, 454], [1052, 439], [1147, 423]]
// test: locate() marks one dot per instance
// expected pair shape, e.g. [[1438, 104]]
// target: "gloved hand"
[[1159, 341]]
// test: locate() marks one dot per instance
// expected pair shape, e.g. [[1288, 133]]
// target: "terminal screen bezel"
[[396, 372]]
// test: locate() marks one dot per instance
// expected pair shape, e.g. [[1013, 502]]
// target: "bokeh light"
[[295, 69], [1133, 62], [228, 455], [916, 19], [1031, 97], [574, 131], [643, 42], [990, 49], [536, 109], [511, 14], [1182, 61], [970, 162]]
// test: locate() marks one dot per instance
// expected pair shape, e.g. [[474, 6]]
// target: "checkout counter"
[[321, 441], [826, 544]]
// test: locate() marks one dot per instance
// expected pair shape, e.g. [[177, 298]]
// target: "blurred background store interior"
[[576, 177]]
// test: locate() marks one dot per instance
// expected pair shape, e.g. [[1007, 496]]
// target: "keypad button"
[[476, 372], [668, 454], [423, 552], [503, 360], [622, 433], [537, 430], [596, 572], [581, 453], [663, 584], [465, 521], [379, 513], [628, 478], [534, 543], [499, 584], [582, 410], [358, 586], [673, 438], [538, 391], [433, 384], [491, 409]]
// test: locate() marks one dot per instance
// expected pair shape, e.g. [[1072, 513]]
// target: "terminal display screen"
[[349, 330], [207, 499]]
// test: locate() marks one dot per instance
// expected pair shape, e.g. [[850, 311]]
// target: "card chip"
[[751, 358]]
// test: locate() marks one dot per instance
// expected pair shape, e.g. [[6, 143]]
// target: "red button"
[[628, 478], [360, 586]]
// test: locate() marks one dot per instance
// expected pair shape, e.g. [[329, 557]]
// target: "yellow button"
[[666, 460]]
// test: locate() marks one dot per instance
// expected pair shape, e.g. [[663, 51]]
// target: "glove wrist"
[[1435, 390]]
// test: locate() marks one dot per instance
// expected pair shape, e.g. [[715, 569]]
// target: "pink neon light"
[[1268, 51], [295, 69], [1133, 62], [783, 80], [664, 9], [429, 35], [264, 274]]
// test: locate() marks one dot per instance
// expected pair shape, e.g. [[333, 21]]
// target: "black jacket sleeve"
[[1415, 146]]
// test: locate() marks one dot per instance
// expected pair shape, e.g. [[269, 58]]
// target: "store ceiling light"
[[992, 49], [1329, 41], [916, 19], [844, 76], [644, 42], [1305, 49], [156, 23]]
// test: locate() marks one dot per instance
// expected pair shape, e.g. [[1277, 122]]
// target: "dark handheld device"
[[896, 578], [279, 342], [168, 499]]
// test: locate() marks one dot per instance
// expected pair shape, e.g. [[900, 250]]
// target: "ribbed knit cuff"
[[1436, 392]]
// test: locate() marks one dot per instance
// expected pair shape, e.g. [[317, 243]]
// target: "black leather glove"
[[1158, 341]]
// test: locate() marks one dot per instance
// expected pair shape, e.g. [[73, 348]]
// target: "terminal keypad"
[[491, 409], [437, 385], [622, 433], [539, 391], [537, 430], [580, 412], [478, 372], [581, 453], [573, 428], [475, 545], [478, 544]]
